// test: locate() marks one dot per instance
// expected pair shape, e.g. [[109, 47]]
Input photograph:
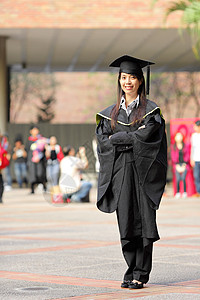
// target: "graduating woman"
[[132, 151]]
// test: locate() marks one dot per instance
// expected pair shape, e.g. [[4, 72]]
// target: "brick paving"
[[72, 251]]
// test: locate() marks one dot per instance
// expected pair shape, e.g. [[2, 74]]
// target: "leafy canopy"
[[190, 18]]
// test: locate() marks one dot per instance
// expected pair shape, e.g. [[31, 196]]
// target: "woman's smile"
[[128, 87], [129, 84]]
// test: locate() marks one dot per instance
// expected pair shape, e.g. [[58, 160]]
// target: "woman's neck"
[[130, 98], [179, 145]]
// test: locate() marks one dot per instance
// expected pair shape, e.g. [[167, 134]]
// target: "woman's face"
[[196, 128], [72, 152], [34, 131], [18, 144], [53, 140], [129, 84], [178, 137]]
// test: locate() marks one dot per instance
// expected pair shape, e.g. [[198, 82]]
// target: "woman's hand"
[[180, 168], [192, 163], [82, 151], [121, 138]]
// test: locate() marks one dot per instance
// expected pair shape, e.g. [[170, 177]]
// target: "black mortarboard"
[[131, 65]]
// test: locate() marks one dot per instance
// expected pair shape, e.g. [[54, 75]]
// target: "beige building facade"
[[85, 35]]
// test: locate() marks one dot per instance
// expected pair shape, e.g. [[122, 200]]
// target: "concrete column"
[[3, 86]]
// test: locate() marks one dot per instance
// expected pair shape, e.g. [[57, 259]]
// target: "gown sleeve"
[[105, 149], [106, 155], [149, 153], [146, 132], [103, 133], [149, 148]]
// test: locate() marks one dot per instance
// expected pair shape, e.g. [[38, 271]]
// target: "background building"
[[84, 36]]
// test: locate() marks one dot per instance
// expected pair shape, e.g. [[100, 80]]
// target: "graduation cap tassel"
[[148, 80]]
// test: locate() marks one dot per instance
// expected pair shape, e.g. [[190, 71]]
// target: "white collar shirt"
[[130, 107]]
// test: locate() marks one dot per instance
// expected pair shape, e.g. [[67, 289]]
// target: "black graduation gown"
[[133, 168]]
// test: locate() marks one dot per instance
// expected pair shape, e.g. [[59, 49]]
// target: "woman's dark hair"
[[67, 149], [34, 126], [176, 146], [182, 140], [137, 118], [197, 123], [19, 138]]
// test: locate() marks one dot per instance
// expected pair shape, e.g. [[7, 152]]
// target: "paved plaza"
[[50, 252]]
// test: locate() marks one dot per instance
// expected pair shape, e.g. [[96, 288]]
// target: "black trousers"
[[138, 259], [1, 188], [135, 218]]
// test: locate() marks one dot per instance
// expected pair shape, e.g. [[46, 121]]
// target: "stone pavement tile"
[[73, 252], [191, 287], [87, 244], [146, 293]]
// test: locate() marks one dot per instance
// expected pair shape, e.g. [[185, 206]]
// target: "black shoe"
[[126, 284], [31, 193], [136, 285]]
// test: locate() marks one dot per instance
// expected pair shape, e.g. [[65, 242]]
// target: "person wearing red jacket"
[[4, 162]]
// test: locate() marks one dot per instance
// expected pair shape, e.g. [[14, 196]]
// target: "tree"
[[159, 86], [21, 89], [194, 93], [190, 18], [45, 112], [36, 89], [176, 93], [44, 89]]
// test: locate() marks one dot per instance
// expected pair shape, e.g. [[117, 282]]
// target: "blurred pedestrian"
[[54, 155], [4, 162], [195, 156], [6, 171], [132, 152], [36, 160], [19, 157], [180, 162], [71, 183]]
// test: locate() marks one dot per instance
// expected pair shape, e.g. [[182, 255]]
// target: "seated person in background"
[[70, 182]]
